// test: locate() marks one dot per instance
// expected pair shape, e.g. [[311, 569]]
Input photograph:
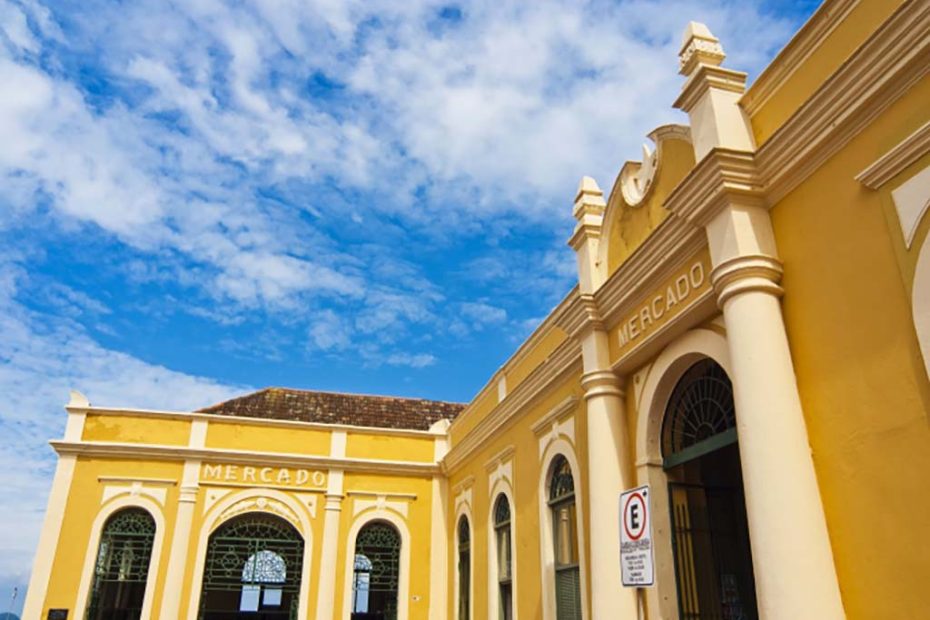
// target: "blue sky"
[[204, 197]]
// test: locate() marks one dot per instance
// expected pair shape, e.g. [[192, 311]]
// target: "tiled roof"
[[335, 408]]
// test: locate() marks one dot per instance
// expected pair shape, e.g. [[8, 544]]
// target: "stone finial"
[[589, 200], [77, 400], [699, 47]]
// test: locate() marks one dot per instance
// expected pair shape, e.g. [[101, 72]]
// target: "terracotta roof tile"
[[336, 408]]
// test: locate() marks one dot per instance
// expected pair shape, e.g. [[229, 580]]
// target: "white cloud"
[[41, 359]]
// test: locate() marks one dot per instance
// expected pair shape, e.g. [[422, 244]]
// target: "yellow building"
[[749, 337]]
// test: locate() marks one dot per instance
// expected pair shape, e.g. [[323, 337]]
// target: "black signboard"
[[57, 614]]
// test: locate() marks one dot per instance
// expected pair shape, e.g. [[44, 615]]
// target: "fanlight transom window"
[[701, 407]]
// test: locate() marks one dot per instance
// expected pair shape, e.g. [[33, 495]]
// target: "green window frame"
[[565, 540]]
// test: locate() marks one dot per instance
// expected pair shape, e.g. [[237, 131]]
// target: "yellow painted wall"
[[527, 470], [546, 342], [390, 447], [136, 429], [476, 411], [860, 374], [793, 92], [83, 505], [267, 438]]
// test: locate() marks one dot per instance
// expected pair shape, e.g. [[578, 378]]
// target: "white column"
[[180, 542], [608, 474], [792, 559], [332, 515]]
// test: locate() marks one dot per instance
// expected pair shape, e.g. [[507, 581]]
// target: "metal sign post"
[[636, 561]]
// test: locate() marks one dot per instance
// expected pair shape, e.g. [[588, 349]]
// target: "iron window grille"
[[504, 556], [122, 567], [565, 540]]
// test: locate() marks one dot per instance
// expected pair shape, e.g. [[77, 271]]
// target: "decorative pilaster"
[[332, 516], [332, 513], [180, 542]]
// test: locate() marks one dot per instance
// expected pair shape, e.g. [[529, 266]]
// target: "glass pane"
[[250, 597], [272, 597], [503, 553], [566, 547]]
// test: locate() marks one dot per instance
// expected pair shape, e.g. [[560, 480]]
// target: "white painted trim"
[[96, 531], [897, 159], [403, 585], [912, 200], [48, 540], [658, 382], [557, 447], [439, 549], [245, 457], [215, 518], [463, 511], [920, 302], [501, 484]]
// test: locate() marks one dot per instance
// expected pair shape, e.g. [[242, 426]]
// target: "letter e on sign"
[[636, 561]]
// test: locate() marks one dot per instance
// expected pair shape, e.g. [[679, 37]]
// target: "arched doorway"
[[252, 570], [122, 566], [376, 574], [710, 535]]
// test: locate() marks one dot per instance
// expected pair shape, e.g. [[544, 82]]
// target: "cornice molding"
[[897, 159], [808, 39], [498, 459], [720, 178], [243, 457], [889, 63], [245, 420], [556, 414], [648, 266], [537, 385], [705, 78]]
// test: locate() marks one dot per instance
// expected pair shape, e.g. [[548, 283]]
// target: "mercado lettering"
[[262, 475], [667, 300]]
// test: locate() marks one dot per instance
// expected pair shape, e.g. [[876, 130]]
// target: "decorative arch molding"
[[108, 509], [395, 519], [657, 386], [268, 501], [920, 302], [660, 380], [556, 448], [500, 482], [463, 503]]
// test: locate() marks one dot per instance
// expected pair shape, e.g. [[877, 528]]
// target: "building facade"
[[749, 337]]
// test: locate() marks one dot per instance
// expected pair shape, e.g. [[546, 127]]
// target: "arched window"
[[122, 567], [700, 417], [464, 534], [252, 569], [377, 572], [565, 540], [504, 556], [710, 537]]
